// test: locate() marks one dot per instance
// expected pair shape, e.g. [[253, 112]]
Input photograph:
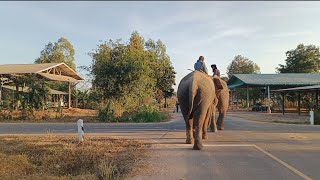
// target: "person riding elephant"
[[197, 99], [222, 105]]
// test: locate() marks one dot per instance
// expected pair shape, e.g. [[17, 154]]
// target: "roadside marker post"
[[311, 117], [80, 130]]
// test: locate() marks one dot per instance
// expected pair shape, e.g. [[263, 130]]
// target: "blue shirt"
[[200, 66]]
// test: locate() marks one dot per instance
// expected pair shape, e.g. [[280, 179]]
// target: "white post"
[[311, 117], [80, 130], [269, 102]]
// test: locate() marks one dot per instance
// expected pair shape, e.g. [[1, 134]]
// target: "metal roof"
[[41, 69], [283, 79]]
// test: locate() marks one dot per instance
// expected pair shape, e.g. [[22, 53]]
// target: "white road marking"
[[283, 163]]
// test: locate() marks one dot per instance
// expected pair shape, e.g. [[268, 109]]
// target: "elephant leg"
[[213, 123], [199, 120], [206, 125], [189, 131], [220, 122]]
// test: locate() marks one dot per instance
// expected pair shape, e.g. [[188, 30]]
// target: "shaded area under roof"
[[304, 88], [51, 71], [280, 80], [26, 89]]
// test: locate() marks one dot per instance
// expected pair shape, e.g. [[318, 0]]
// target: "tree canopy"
[[133, 71], [60, 51], [303, 59], [242, 65]]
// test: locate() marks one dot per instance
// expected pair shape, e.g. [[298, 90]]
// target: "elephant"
[[222, 106], [197, 99]]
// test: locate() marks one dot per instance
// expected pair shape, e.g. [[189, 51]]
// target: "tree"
[[128, 74], [303, 59], [163, 70], [61, 51], [242, 65]]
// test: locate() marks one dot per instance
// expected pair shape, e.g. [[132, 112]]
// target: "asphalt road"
[[245, 150]]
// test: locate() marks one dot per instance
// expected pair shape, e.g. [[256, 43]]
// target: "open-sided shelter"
[[274, 81], [48, 71]]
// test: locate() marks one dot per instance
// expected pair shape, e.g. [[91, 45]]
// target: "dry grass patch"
[[57, 157]]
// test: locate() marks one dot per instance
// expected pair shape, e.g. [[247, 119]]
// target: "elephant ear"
[[217, 83]]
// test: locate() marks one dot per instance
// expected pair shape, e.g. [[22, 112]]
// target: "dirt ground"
[[63, 158], [291, 118]]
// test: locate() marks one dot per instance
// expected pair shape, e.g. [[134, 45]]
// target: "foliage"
[[242, 65], [105, 114], [163, 71], [145, 114], [128, 73], [317, 117], [303, 59], [35, 96], [58, 52]]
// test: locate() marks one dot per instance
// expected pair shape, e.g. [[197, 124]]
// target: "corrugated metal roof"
[[38, 68], [283, 79]]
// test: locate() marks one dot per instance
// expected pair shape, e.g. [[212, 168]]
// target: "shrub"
[[105, 114], [317, 117], [145, 114]]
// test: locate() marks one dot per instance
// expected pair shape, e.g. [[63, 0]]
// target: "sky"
[[260, 31]]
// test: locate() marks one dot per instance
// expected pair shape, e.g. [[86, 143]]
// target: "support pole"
[[69, 95], [248, 100], [269, 109], [80, 130], [283, 101], [299, 105], [317, 97]]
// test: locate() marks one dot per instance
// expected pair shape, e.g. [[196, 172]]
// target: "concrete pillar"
[[248, 100], [269, 101], [69, 95]]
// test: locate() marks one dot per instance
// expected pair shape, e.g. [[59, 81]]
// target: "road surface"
[[244, 150]]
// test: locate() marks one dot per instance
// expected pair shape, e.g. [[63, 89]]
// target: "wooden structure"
[[48, 71]]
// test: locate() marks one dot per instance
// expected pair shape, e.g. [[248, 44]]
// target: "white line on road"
[[283, 163]]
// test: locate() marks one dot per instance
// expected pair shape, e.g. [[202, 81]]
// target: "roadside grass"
[[92, 116], [62, 157]]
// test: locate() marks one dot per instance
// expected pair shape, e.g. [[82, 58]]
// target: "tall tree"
[[303, 59], [163, 70], [60, 51], [131, 72], [242, 65]]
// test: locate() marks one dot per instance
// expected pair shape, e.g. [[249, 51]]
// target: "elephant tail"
[[192, 93]]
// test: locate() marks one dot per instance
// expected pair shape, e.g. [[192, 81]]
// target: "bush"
[[145, 114], [317, 117], [105, 114]]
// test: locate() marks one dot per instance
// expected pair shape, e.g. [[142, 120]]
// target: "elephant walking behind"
[[197, 99]]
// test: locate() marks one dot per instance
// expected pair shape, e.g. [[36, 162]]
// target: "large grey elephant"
[[222, 106], [197, 99]]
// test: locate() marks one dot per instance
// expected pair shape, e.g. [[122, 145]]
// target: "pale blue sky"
[[261, 31]]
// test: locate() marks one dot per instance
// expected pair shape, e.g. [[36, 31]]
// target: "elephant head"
[[197, 98]]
